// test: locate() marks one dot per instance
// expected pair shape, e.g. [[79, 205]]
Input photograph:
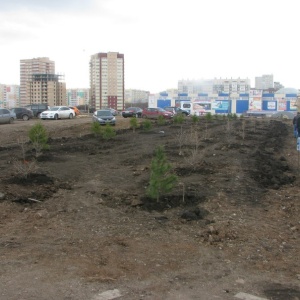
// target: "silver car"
[[7, 116]]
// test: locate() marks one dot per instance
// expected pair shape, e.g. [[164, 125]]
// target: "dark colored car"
[[104, 116], [132, 112], [113, 111], [85, 108], [23, 113], [7, 116], [155, 112], [176, 110], [37, 108]]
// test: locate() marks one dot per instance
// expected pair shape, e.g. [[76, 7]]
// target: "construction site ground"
[[76, 221]]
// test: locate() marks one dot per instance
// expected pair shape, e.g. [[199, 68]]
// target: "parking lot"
[[10, 133]]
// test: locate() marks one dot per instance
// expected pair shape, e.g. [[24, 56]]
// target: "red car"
[[155, 112]]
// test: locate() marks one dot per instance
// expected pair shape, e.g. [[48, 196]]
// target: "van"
[[38, 108]]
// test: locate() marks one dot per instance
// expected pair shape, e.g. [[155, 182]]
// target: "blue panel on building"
[[269, 105], [223, 94], [202, 94], [291, 95], [164, 94], [163, 103], [183, 94], [268, 95], [244, 95], [242, 106]]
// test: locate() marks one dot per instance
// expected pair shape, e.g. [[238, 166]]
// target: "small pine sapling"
[[38, 136], [162, 180]]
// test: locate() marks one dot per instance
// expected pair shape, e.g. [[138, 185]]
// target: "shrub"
[[162, 180], [108, 132], [161, 120], [133, 123], [96, 128], [147, 125], [38, 136], [195, 119], [178, 119], [208, 116], [24, 167]]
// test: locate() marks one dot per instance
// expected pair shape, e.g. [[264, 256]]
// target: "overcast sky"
[[163, 41]]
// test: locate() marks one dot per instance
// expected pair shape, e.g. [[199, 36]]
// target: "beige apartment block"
[[107, 80], [46, 88], [29, 67]]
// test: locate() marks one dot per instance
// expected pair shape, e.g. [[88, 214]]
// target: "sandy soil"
[[81, 224]]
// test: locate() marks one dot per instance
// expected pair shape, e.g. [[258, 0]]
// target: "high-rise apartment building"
[[46, 88], [264, 82], [29, 67], [107, 80]]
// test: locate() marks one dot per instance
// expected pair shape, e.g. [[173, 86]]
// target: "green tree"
[[178, 119], [147, 125], [195, 119], [96, 129], [161, 120], [208, 117], [108, 132], [162, 180], [134, 123], [38, 136]]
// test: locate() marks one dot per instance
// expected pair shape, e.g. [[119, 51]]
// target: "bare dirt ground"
[[81, 224]]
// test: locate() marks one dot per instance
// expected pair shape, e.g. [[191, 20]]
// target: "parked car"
[[23, 113], [58, 112], [155, 112], [77, 111], [104, 116], [176, 110], [85, 108], [113, 111], [132, 112], [38, 108], [7, 116]]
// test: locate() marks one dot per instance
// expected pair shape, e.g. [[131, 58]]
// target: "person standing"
[[295, 125]]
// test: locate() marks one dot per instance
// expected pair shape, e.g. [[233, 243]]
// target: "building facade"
[[264, 82], [29, 67], [77, 97], [46, 88], [213, 86], [9, 95], [136, 96], [107, 80]]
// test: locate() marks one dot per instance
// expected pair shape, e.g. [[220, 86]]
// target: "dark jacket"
[[295, 119], [298, 122]]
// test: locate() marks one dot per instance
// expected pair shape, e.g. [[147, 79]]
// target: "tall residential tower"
[[40, 84], [107, 80]]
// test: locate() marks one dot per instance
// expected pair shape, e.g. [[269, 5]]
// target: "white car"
[[58, 112]]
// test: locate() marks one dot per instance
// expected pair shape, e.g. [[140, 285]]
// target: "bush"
[[208, 116], [108, 132], [38, 136], [161, 179], [96, 128], [161, 120], [147, 125], [195, 119], [178, 119], [134, 123]]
